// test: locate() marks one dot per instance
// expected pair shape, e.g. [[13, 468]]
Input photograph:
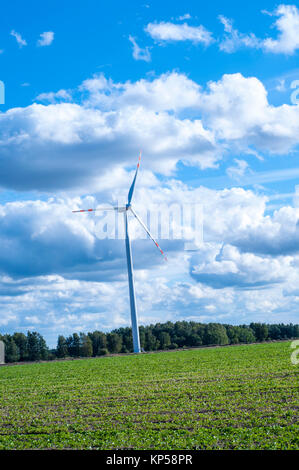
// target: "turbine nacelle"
[[121, 209]]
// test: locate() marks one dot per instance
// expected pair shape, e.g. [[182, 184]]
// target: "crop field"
[[235, 397]]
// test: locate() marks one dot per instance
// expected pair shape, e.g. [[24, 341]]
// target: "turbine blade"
[[98, 209], [131, 191], [149, 233]]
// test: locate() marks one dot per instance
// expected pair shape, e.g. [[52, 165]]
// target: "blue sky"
[[208, 91]]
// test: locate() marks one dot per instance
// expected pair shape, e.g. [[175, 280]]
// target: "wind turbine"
[[125, 210]]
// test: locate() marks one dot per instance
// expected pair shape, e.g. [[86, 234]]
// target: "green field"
[[235, 397]]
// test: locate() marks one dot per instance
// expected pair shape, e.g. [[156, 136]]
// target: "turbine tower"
[[125, 210]]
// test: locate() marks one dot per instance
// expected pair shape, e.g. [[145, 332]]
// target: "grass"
[[240, 397]]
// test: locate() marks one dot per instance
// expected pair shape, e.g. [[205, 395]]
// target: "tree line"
[[161, 336]]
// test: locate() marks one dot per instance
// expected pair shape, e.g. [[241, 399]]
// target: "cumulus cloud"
[[22, 42], [46, 148], [54, 265], [168, 92], [138, 52], [45, 139], [272, 236], [39, 238], [228, 267], [166, 31], [46, 38], [62, 306], [236, 217], [89, 274], [287, 24], [237, 109], [45, 237], [67, 146], [56, 270]]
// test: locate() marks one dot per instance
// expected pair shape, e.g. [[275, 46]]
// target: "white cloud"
[[287, 41], [34, 320], [70, 243], [228, 267], [46, 38], [22, 42], [40, 229], [168, 92], [233, 39], [166, 31], [97, 140], [52, 97], [287, 24], [138, 52], [186, 16], [237, 109], [239, 170], [271, 236], [171, 118], [55, 270]]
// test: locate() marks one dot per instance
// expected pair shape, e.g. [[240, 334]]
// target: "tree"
[[142, 336], [151, 342], [21, 341], [245, 335], [99, 341], [12, 352], [295, 332], [215, 333], [260, 331], [232, 334], [73, 345], [199, 330], [37, 347], [62, 349], [181, 332], [274, 332], [194, 340], [164, 339], [33, 346], [44, 350], [127, 339], [114, 343], [85, 345]]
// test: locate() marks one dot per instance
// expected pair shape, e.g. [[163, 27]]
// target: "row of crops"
[[238, 397]]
